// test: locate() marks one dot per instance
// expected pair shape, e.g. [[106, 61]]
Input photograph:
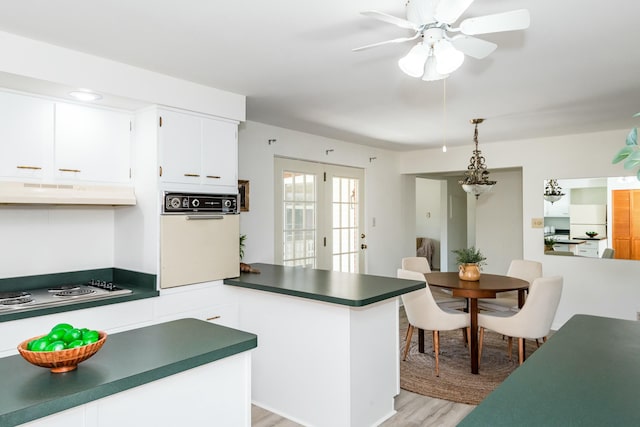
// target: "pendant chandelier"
[[476, 178], [552, 191]]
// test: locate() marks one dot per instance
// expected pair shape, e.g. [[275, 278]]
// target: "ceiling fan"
[[443, 47]]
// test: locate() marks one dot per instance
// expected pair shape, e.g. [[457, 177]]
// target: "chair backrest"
[[608, 253], [422, 310], [536, 316], [525, 269], [416, 263]]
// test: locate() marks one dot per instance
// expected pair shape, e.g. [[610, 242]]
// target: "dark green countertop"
[[349, 289], [587, 374], [143, 286], [127, 359]]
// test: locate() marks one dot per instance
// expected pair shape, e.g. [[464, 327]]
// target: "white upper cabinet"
[[198, 150], [220, 153], [180, 147], [26, 136], [91, 144]]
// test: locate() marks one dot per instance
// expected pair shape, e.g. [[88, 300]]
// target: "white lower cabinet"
[[109, 318], [209, 301], [592, 248], [218, 393]]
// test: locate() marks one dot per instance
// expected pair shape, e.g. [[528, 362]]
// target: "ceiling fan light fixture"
[[449, 58], [414, 62], [431, 70]]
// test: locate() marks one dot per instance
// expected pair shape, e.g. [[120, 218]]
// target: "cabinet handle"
[[37, 168], [160, 170], [69, 170], [195, 175], [213, 176], [213, 318]]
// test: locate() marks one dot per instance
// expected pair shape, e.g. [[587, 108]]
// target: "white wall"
[[44, 240], [498, 218], [592, 286], [387, 240], [428, 210]]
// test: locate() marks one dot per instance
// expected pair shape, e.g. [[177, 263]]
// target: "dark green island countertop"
[[587, 374], [127, 359], [348, 289]]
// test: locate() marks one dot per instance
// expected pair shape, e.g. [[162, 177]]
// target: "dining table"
[[488, 286]]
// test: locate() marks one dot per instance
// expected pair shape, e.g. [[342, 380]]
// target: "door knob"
[[363, 246]]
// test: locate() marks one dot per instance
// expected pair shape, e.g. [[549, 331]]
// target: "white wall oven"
[[199, 238]]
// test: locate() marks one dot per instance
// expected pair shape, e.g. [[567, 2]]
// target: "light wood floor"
[[414, 410]]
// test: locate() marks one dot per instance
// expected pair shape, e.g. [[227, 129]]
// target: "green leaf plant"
[[630, 153]]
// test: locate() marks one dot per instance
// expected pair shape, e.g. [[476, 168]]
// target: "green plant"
[[549, 241], [243, 237], [630, 153], [469, 256]]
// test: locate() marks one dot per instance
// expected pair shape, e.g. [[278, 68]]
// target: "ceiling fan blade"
[[507, 21], [473, 47], [449, 11], [399, 40], [421, 11], [390, 19]]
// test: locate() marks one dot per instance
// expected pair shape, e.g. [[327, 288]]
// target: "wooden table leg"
[[520, 304], [473, 315], [421, 340]]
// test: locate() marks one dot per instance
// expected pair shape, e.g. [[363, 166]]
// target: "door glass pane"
[[299, 222], [345, 225]]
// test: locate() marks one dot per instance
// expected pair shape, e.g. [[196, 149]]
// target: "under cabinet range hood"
[[31, 193]]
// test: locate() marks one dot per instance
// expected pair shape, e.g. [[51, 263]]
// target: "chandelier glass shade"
[[476, 178], [552, 191]]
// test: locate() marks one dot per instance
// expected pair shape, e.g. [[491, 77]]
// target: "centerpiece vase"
[[469, 272]]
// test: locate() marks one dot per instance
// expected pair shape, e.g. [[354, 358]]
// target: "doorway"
[[319, 215], [493, 223]]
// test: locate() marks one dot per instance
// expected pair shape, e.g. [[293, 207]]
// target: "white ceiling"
[[576, 69]]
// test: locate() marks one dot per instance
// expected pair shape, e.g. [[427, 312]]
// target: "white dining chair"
[[442, 297], [534, 319], [424, 313], [508, 301]]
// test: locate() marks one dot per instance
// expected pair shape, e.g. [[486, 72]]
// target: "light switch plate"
[[537, 222]]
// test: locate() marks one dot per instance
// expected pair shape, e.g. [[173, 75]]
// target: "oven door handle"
[[192, 217]]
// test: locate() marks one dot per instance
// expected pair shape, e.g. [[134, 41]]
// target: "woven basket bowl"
[[61, 360]]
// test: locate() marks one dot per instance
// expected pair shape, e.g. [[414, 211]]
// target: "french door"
[[319, 215]]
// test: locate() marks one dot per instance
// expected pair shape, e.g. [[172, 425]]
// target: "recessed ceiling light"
[[82, 95]]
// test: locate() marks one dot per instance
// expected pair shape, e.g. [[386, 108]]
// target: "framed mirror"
[[594, 217]]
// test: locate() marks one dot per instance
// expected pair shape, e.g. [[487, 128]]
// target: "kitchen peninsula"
[[329, 344], [183, 372]]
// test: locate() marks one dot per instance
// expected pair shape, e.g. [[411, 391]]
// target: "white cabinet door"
[[219, 153], [92, 144], [26, 136], [198, 150], [180, 147]]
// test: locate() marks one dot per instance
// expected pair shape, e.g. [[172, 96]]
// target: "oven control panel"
[[200, 203]]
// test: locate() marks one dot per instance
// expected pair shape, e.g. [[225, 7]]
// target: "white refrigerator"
[[583, 218]]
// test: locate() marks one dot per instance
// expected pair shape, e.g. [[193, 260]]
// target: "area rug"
[[456, 382]]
